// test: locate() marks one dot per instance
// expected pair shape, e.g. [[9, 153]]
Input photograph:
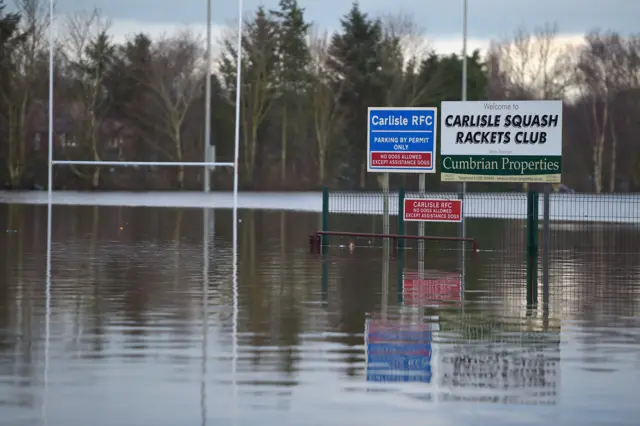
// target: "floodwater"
[[351, 339]]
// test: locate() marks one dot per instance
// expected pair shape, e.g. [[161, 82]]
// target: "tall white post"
[[50, 126], [207, 104], [464, 91], [464, 51], [463, 230], [235, 204], [236, 154], [47, 325], [205, 314]]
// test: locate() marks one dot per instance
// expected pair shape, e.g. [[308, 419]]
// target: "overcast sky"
[[441, 20]]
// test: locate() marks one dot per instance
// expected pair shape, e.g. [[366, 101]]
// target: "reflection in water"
[[397, 352], [498, 364], [142, 322], [47, 316], [206, 237], [434, 286], [208, 234]]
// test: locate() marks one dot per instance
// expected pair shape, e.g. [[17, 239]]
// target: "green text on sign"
[[456, 168]]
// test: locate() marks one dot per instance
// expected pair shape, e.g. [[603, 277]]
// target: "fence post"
[[400, 277], [325, 220], [324, 287], [401, 195], [546, 213], [401, 241], [533, 200]]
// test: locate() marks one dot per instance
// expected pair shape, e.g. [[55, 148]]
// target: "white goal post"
[[206, 164], [207, 119]]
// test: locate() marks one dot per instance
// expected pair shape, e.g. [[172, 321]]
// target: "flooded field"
[[145, 324]]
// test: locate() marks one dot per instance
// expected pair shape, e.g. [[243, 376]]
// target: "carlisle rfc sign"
[[424, 210], [501, 141], [401, 140]]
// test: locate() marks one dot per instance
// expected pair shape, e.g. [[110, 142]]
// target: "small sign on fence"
[[425, 210]]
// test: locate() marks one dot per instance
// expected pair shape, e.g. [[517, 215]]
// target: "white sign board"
[[501, 141]]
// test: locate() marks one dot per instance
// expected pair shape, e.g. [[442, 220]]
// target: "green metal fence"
[[593, 245], [596, 223]]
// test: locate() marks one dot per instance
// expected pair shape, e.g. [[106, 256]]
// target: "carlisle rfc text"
[[402, 142], [508, 122]]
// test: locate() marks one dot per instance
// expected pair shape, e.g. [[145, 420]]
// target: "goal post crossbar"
[[143, 163]]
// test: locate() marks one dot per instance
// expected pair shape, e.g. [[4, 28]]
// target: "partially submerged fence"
[[600, 223], [587, 233]]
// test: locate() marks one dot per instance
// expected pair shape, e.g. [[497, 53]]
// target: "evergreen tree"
[[292, 74], [12, 96], [357, 66], [91, 71], [10, 39], [131, 97], [447, 71]]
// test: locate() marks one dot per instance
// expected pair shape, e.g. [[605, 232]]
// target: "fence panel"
[[594, 243], [605, 223]]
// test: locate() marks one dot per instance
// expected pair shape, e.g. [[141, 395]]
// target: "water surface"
[[306, 340]]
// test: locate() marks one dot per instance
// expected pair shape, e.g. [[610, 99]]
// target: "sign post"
[[401, 140]]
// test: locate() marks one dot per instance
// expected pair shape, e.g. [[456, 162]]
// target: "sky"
[[441, 21]]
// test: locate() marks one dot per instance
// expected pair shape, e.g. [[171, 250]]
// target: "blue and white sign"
[[399, 362], [398, 352], [401, 140], [401, 335], [391, 377], [400, 348]]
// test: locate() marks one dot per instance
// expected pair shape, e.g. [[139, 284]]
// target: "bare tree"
[[258, 77], [88, 55], [599, 75], [532, 65], [175, 80], [325, 103], [626, 104], [404, 48], [413, 42]]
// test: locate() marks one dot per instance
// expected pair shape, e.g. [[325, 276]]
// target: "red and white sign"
[[374, 325], [424, 210], [434, 287], [401, 159]]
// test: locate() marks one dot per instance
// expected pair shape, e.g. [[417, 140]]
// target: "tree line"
[[304, 99]]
